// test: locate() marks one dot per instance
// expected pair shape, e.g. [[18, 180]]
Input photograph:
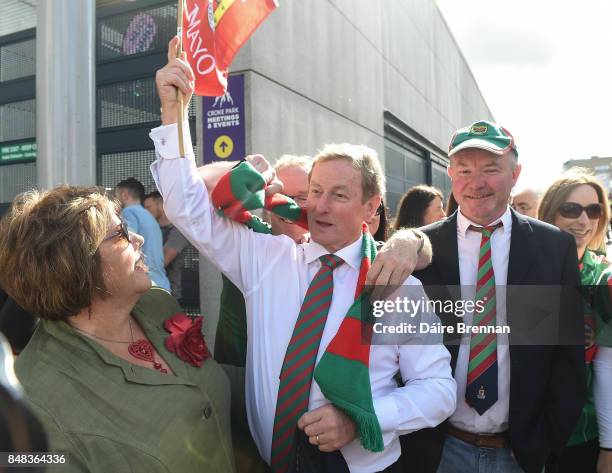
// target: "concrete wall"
[[427, 83], [325, 70]]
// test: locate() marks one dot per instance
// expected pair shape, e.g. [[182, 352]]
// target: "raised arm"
[[236, 251]]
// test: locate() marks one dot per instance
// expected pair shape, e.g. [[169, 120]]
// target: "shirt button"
[[207, 412]]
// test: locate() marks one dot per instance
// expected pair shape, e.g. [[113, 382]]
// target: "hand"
[[604, 463], [176, 74], [397, 259], [213, 172], [332, 426], [305, 238], [261, 164]]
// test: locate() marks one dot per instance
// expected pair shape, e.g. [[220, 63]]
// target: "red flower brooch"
[[186, 339]]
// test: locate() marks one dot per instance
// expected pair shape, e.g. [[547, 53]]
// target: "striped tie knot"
[[486, 231], [331, 261]]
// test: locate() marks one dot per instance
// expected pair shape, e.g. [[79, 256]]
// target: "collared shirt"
[[109, 415], [495, 419], [140, 221], [274, 273]]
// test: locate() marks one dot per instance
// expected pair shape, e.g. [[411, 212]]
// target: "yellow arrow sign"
[[223, 146]]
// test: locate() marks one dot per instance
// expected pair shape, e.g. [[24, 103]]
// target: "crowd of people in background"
[[120, 379]]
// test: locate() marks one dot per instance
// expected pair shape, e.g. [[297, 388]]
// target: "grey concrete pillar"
[[65, 93]]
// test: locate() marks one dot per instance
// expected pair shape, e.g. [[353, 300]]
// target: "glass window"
[[129, 103], [15, 179], [405, 167], [135, 32], [18, 60], [440, 179], [18, 120]]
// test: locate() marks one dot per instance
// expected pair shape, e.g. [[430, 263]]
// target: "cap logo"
[[478, 130]]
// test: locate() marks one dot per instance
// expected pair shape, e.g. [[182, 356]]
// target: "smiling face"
[[582, 228], [295, 185], [123, 267], [336, 208], [481, 183]]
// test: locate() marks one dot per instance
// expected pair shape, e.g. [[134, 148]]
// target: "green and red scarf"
[[242, 190], [343, 371]]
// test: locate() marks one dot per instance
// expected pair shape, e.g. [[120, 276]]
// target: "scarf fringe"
[[368, 427]]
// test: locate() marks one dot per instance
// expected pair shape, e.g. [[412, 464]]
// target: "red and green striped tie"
[[481, 388], [299, 363]]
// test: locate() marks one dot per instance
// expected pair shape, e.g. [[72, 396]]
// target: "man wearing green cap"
[[517, 403]]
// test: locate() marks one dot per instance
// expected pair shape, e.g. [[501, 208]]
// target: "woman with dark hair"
[[578, 204], [420, 206], [378, 224]]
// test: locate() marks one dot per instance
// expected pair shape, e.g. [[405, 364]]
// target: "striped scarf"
[[242, 190], [343, 371]]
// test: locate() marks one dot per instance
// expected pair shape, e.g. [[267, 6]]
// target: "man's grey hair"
[[362, 158], [293, 161]]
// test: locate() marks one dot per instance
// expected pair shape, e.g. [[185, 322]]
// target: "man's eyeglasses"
[[574, 210], [122, 231]]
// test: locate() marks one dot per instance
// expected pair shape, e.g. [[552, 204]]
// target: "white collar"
[[351, 254], [463, 223]]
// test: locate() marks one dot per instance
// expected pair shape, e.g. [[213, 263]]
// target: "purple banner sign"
[[224, 133]]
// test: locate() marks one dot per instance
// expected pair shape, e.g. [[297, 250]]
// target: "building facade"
[[387, 74]]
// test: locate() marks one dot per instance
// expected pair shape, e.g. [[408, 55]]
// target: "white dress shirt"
[[274, 273], [494, 419]]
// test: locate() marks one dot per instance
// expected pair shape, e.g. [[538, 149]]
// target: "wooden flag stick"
[[179, 94]]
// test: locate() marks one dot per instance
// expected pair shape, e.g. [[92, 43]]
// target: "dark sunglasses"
[[122, 231], [574, 210]]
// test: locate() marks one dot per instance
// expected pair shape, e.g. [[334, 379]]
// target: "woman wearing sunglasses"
[[577, 203], [119, 377]]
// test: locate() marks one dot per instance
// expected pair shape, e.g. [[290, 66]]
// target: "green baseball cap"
[[482, 135]]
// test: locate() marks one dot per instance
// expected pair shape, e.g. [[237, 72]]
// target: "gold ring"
[[317, 439]]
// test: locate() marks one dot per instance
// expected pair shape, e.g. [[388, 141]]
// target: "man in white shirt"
[[515, 404], [274, 274]]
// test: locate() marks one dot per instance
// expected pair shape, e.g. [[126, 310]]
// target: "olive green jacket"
[[109, 415]]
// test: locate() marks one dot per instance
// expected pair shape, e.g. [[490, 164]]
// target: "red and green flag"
[[213, 33]]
